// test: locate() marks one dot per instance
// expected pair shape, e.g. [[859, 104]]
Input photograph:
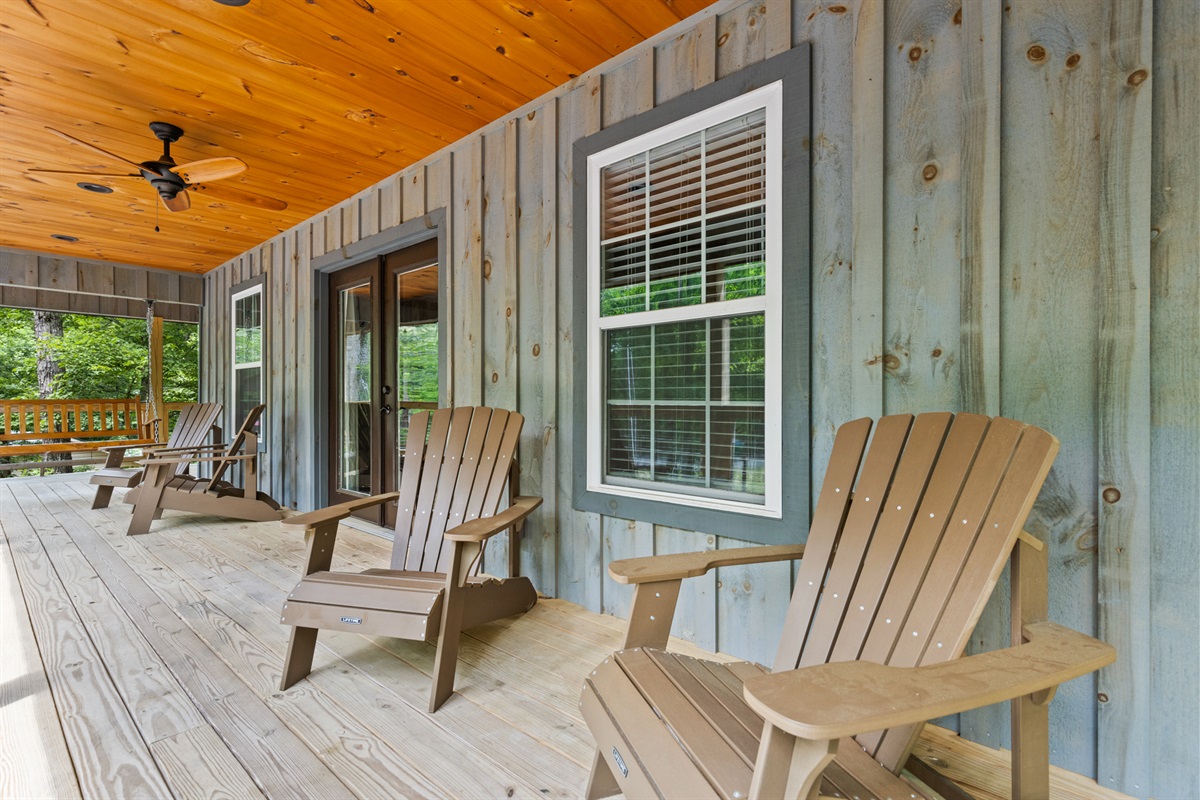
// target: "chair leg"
[[453, 600], [601, 781], [145, 510], [446, 659], [298, 662], [103, 496]]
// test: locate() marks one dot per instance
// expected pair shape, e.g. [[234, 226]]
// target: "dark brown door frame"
[[429, 227]]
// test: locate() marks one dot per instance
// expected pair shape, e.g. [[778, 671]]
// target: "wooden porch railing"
[[40, 427]]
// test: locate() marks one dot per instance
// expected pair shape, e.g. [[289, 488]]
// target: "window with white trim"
[[247, 354], [684, 310]]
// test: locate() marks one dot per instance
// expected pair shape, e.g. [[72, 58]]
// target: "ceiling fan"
[[172, 181]]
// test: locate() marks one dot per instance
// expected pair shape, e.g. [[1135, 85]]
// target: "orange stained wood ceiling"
[[320, 98]]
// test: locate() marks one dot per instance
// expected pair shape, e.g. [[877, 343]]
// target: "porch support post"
[[154, 327]]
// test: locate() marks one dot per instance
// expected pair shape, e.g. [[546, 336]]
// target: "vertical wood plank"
[[1175, 394], [552, 422], [467, 270], [369, 211], [778, 24], [18, 268], [500, 288], [1049, 251], [579, 568], [627, 91], [351, 215], [528, 163], [274, 368], [303, 383], [413, 196], [391, 207], [742, 37], [1123, 396], [979, 347], [317, 234], [696, 610], [866, 260], [922, 327], [836, 363], [751, 604], [438, 183]]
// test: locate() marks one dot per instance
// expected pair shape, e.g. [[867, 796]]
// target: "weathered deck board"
[[204, 594], [110, 757], [43, 767]]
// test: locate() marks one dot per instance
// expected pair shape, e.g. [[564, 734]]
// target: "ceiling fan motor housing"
[[159, 172]]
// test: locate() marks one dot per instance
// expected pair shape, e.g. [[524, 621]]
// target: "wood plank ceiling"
[[319, 98]]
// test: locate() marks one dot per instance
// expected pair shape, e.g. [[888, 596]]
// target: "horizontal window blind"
[[684, 223]]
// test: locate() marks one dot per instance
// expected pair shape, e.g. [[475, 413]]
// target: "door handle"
[[385, 410]]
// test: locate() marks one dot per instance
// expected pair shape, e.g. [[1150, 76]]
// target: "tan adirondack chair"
[[451, 487], [895, 573], [164, 486], [194, 423]]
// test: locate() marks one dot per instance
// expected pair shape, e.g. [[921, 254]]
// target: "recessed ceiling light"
[[94, 187], [62, 237]]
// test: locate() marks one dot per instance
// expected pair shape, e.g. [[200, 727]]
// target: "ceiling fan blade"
[[90, 146], [210, 169], [89, 174], [235, 195], [180, 202]]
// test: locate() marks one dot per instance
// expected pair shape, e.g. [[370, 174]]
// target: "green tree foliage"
[[18, 354], [181, 362], [100, 357]]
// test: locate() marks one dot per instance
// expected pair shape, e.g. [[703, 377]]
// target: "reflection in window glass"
[[354, 473], [416, 345]]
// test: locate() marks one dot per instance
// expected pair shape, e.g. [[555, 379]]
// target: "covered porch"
[[149, 666]]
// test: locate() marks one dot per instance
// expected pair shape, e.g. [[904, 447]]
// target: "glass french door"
[[384, 363]]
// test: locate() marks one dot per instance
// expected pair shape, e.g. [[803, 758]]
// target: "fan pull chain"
[[156, 215]]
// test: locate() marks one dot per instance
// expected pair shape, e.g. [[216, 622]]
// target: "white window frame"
[[770, 99], [234, 365]]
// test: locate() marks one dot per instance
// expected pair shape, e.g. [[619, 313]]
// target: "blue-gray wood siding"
[[1005, 220]]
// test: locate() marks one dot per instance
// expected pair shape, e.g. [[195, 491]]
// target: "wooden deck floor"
[[147, 667]]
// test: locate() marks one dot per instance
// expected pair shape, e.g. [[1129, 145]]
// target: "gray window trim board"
[[794, 69]]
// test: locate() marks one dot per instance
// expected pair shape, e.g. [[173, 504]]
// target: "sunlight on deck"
[[149, 666]]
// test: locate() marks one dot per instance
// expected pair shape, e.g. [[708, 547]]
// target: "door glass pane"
[[354, 472], [416, 344]]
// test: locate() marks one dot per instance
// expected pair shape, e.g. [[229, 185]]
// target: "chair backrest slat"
[[933, 520], [481, 440], [455, 481], [894, 575], [192, 425], [410, 474], [896, 507], [860, 525], [449, 480], [235, 446], [426, 474], [828, 518]]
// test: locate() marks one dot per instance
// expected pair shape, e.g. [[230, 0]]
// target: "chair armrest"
[[150, 462], [156, 450], [312, 519], [690, 565], [830, 701], [479, 529]]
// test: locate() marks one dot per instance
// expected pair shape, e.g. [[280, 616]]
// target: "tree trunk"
[[48, 325]]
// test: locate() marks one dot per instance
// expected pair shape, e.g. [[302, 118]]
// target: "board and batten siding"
[[1004, 220]]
